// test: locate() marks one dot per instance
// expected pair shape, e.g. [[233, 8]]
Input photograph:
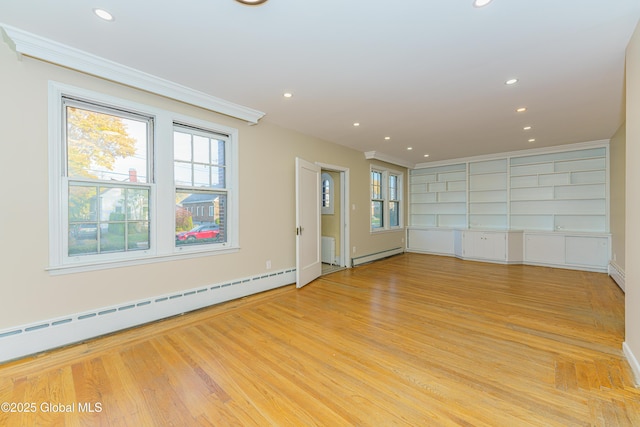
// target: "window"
[[128, 181], [200, 180], [386, 193], [327, 194], [377, 203], [106, 178], [394, 201]]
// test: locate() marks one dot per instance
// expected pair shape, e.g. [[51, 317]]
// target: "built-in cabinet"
[[435, 241], [501, 246], [582, 251], [536, 207]]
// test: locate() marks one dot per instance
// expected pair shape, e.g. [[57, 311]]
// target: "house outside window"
[[386, 199]]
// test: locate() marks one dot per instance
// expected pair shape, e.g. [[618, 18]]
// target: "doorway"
[[334, 218]]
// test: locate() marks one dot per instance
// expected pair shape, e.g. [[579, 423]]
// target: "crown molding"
[[34, 46], [518, 153], [374, 155]]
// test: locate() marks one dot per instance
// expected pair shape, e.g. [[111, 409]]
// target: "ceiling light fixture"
[[409, 148], [527, 128], [251, 2], [521, 110], [386, 138], [101, 13], [287, 94], [511, 82], [481, 3], [426, 155], [532, 140]]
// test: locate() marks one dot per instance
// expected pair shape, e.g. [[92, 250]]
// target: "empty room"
[[330, 213]]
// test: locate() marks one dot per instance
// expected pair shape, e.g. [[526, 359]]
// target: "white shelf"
[[488, 194], [546, 191], [560, 191], [438, 196]]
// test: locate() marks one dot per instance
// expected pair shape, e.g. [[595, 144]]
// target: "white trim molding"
[[24, 340], [617, 274], [633, 362], [375, 155], [518, 153], [34, 46]]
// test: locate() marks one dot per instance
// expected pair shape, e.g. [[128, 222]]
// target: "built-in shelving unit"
[[538, 207], [564, 191], [439, 196], [488, 194]]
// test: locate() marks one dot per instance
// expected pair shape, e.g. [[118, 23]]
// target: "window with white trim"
[[200, 179], [107, 178], [327, 193], [386, 199], [126, 179]]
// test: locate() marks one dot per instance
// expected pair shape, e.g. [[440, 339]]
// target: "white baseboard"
[[633, 362], [617, 274], [29, 339], [376, 256]]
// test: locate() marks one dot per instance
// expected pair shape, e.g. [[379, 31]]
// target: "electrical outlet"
[[354, 249]]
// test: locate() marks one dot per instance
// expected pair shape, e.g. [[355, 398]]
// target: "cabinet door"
[[544, 248], [471, 243], [485, 245], [435, 241], [495, 245], [588, 251]]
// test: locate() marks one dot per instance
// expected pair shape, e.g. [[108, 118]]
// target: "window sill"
[[56, 270]]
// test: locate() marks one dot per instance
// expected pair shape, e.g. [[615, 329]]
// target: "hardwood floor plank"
[[410, 340]]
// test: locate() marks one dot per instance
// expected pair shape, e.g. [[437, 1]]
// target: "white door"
[[308, 251]]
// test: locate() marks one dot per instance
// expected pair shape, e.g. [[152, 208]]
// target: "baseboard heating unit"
[[375, 256], [24, 340]]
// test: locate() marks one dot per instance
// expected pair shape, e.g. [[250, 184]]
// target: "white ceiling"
[[428, 73]]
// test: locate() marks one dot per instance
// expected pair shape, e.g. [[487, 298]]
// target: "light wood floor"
[[413, 340]]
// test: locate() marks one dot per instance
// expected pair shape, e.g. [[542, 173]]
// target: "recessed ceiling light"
[[426, 155], [511, 82], [527, 128], [251, 2], [356, 124], [386, 138], [521, 110], [287, 94], [409, 148], [481, 3], [532, 140], [101, 13]]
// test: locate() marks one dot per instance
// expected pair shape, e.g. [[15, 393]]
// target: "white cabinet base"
[[577, 251], [568, 250]]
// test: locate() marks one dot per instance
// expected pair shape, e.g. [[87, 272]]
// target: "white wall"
[[632, 244], [28, 293], [617, 172]]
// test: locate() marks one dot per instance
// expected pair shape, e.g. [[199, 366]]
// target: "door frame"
[[345, 253]]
